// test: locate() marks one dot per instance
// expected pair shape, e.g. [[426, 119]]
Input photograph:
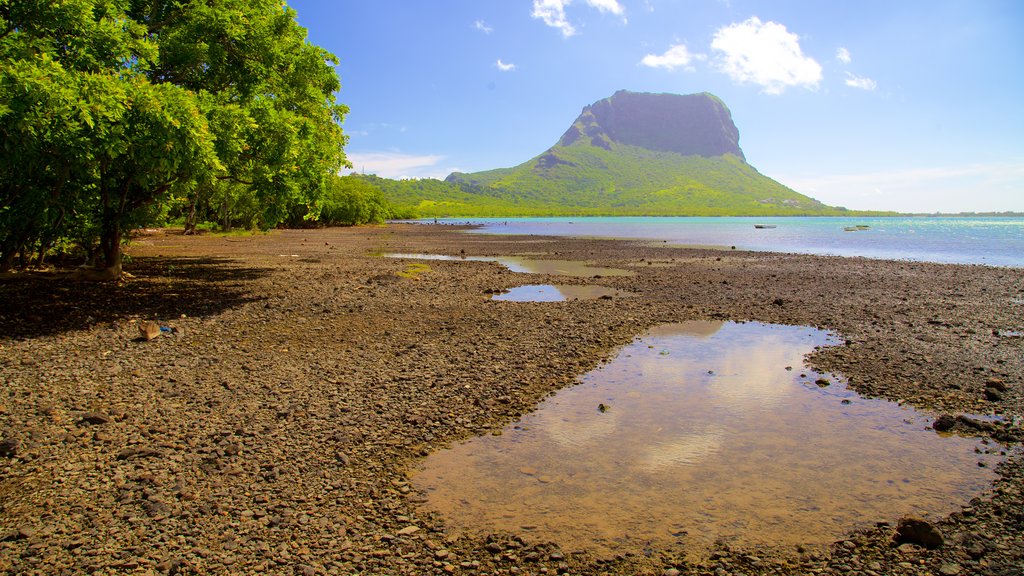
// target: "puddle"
[[698, 431], [529, 265], [558, 293]]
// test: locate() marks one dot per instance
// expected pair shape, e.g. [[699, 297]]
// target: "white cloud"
[[981, 187], [505, 67], [766, 54], [611, 6], [398, 165], [481, 26], [677, 56], [843, 55], [552, 12], [855, 81]]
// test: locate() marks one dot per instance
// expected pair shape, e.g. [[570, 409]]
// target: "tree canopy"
[[113, 110]]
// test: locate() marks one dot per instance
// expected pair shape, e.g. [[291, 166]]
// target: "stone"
[[149, 330], [917, 531], [8, 448], [996, 384], [131, 453], [93, 419], [944, 423], [408, 530], [950, 569], [993, 395]]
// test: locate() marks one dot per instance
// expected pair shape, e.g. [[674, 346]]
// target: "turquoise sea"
[[995, 241]]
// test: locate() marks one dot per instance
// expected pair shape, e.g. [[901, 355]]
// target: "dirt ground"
[[272, 427]]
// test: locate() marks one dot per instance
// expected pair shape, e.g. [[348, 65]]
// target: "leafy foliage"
[[114, 111], [347, 201]]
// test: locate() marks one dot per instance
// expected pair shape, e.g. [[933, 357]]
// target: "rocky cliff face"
[[694, 124]]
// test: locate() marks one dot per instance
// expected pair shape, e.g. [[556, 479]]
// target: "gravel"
[[271, 425]]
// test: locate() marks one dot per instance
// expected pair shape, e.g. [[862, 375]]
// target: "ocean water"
[[995, 241]]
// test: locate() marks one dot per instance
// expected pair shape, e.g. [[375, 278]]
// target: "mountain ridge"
[[633, 153]]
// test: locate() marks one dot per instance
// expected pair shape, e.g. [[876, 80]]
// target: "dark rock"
[[996, 384], [979, 425], [8, 448], [93, 419], [822, 382], [944, 423], [917, 531], [993, 395], [692, 124]]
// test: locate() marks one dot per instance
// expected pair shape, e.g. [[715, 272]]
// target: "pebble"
[[193, 432]]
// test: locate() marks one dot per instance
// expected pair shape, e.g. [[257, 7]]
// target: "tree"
[[110, 108]]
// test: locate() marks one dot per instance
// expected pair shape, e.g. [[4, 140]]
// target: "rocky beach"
[[271, 424]]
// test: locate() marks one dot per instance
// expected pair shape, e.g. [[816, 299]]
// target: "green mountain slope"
[[632, 154]]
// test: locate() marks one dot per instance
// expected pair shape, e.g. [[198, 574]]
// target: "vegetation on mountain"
[[584, 180], [632, 154]]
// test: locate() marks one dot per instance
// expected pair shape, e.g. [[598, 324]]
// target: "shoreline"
[[273, 431]]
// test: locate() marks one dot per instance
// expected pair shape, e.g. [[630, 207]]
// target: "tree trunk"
[[110, 246], [190, 218]]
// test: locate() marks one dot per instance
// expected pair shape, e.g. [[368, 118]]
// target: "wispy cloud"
[[481, 26], [552, 12], [677, 56], [980, 187], [852, 80], [505, 67], [610, 6], [398, 165], [765, 54], [855, 81]]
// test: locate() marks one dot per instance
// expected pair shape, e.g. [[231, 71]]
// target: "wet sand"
[[273, 427]]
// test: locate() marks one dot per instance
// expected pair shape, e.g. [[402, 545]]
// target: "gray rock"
[[950, 569]]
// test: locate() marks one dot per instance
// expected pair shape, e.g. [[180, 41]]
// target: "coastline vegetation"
[[584, 180]]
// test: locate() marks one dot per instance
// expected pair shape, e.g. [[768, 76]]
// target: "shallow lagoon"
[[700, 431], [996, 241]]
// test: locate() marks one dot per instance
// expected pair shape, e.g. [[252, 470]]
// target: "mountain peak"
[[690, 125]]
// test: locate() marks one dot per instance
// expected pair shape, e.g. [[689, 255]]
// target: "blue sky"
[[909, 105]]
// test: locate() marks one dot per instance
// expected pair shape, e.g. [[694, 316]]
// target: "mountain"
[[630, 154]]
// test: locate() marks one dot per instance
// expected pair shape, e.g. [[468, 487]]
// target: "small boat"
[[764, 226], [856, 228]]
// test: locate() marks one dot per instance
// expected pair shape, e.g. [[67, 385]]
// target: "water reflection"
[[528, 265], [704, 433], [557, 293]]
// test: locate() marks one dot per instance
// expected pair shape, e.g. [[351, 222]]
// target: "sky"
[[913, 106]]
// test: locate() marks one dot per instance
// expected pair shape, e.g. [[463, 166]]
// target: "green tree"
[[111, 108]]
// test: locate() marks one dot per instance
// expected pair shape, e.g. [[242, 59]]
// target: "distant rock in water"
[[692, 124]]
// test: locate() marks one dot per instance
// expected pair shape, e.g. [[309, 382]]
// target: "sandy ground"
[[273, 428]]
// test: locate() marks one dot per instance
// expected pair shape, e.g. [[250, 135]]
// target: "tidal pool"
[[528, 265], [703, 431], [557, 293]]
